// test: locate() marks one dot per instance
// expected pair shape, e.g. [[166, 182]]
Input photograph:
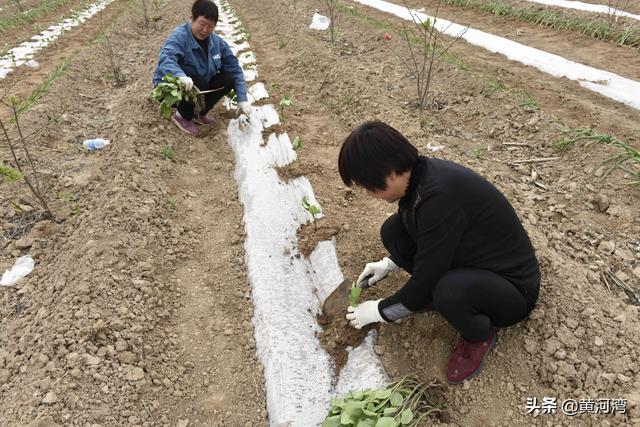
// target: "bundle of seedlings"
[[171, 91], [406, 402]]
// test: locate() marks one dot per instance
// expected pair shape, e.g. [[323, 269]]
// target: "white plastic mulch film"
[[23, 54], [606, 9], [603, 82], [287, 288]]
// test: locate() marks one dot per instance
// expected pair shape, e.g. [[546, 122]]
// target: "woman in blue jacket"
[[197, 56]]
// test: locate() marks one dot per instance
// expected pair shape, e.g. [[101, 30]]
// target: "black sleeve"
[[440, 226]]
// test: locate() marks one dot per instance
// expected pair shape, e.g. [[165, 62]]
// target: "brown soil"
[[138, 311], [552, 354]]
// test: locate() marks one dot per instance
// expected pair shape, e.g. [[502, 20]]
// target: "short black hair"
[[371, 152], [206, 8]]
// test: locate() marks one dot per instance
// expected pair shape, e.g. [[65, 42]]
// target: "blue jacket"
[[181, 55]]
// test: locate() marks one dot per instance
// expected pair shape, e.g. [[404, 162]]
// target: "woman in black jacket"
[[460, 239]]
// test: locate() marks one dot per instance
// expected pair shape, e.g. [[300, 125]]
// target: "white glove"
[[365, 313], [375, 271], [187, 82], [244, 108]]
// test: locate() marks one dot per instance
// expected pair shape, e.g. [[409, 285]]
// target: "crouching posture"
[[199, 57], [458, 237]]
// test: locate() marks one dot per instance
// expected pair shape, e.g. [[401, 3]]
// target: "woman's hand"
[[365, 313], [375, 271]]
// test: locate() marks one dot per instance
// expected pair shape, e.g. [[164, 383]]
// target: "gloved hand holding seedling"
[[171, 91]]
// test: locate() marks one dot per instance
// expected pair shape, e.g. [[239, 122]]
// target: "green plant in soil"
[[171, 91], [297, 143], [311, 208], [627, 159], [285, 102], [602, 30], [406, 402], [168, 153], [10, 173], [232, 95], [354, 295]]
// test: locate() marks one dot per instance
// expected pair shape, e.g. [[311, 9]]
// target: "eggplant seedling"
[[311, 208], [297, 143], [354, 295], [171, 91], [284, 103]]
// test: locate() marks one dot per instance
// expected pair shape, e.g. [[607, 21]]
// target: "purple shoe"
[[203, 120], [186, 125]]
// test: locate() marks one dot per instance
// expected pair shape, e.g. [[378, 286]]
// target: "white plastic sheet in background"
[[287, 288], [603, 82], [23, 53], [319, 22], [588, 7]]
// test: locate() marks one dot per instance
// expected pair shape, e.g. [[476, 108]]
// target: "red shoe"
[[467, 358], [202, 120], [184, 124]]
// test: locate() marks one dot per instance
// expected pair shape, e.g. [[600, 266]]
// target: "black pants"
[[471, 300], [222, 81]]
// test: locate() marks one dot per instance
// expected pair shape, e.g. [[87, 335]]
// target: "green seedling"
[[406, 402], [284, 103], [274, 86], [171, 91], [354, 295], [168, 153], [297, 143], [71, 200], [311, 208], [10, 173], [627, 154], [172, 202], [281, 44]]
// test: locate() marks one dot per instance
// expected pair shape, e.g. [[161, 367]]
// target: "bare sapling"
[[333, 15], [19, 5], [613, 10], [423, 41], [118, 78], [145, 14], [20, 142]]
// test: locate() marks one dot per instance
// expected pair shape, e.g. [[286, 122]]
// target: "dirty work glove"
[[244, 113], [244, 108], [187, 82], [375, 271], [365, 313]]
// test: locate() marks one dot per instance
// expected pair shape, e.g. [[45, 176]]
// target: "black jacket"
[[458, 219]]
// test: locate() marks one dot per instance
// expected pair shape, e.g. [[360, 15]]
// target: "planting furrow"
[[287, 287], [25, 52], [621, 89], [588, 7]]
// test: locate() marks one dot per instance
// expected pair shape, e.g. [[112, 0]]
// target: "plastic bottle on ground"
[[95, 144]]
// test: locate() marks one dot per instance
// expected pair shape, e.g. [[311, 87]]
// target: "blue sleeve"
[[231, 65], [170, 55]]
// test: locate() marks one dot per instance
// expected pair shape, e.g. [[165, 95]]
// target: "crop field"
[[178, 280]]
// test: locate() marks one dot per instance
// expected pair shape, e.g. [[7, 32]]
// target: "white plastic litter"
[[95, 144], [319, 22], [434, 148], [22, 267], [32, 63], [603, 82]]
